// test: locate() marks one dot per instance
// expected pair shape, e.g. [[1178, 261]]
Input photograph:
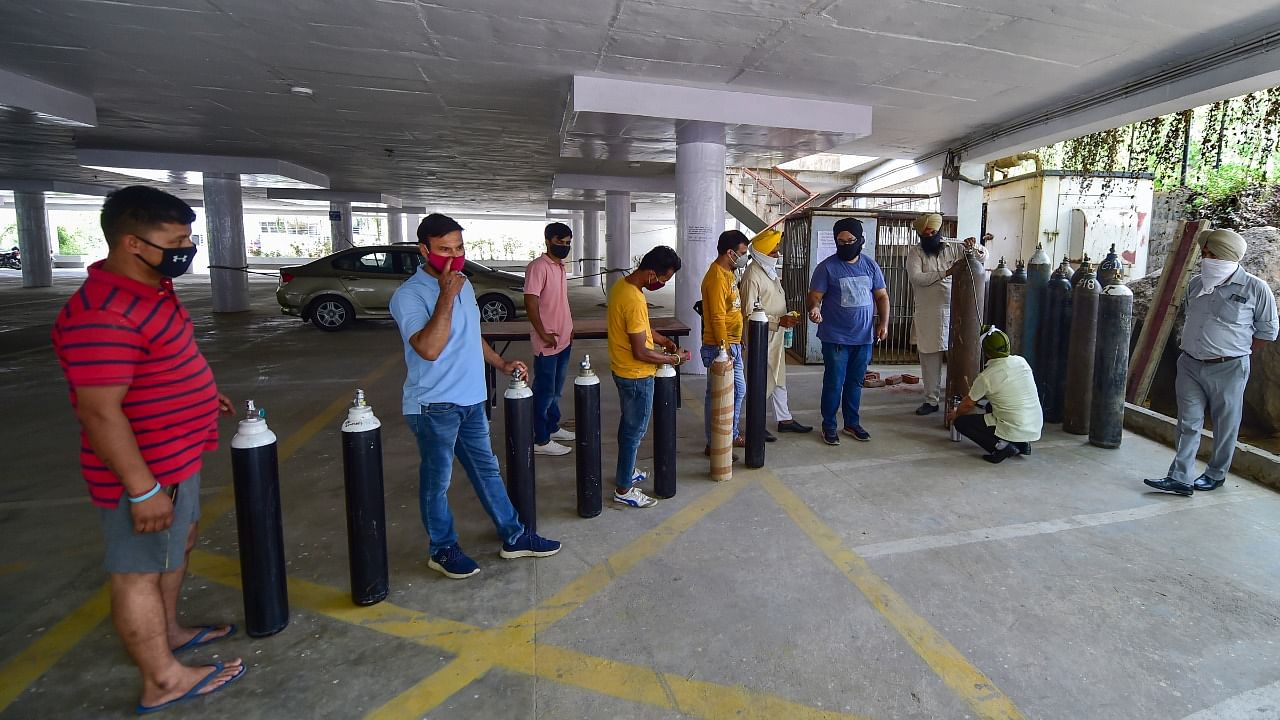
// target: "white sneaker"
[[634, 498], [565, 435], [551, 448]]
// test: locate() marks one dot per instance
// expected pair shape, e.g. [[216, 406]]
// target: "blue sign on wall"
[[335, 215]]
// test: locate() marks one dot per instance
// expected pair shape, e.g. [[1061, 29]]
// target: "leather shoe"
[[1171, 485], [770, 437], [926, 409], [1024, 448], [1001, 455], [794, 427], [1204, 483]]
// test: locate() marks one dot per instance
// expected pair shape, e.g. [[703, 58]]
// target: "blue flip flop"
[[199, 638], [194, 692]]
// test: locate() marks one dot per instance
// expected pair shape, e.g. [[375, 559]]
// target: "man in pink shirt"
[[546, 299]]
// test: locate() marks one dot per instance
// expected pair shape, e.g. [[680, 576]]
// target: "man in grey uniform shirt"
[[1230, 313]]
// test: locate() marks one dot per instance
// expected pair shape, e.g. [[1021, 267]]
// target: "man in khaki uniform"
[[762, 283], [929, 267]]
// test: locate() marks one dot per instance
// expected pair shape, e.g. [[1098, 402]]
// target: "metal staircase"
[[760, 198]]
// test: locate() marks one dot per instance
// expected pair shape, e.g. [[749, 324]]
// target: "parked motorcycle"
[[11, 259]]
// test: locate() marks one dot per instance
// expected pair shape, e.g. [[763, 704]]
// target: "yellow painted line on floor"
[[945, 659], [513, 646], [25, 668], [12, 568]]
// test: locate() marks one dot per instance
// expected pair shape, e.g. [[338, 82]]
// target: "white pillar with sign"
[[700, 188]]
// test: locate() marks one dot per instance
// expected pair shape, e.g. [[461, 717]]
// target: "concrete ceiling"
[[463, 106]]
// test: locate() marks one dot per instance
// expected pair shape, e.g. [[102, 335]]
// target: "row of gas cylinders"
[[1072, 326]]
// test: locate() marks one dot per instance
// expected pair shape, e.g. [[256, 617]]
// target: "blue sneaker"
[[530, 544], [453, 563], [857, 432]]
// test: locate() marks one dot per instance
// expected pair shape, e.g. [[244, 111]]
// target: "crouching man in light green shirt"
[[1014, 419]]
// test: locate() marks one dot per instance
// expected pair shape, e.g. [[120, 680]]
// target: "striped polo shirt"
[[118, 331]]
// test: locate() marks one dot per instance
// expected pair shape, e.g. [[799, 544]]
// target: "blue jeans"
[[548, 382], [842, 382], [446, 430], [635, 400], [709, 353]]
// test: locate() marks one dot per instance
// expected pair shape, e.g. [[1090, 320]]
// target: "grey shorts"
[[156, 552]]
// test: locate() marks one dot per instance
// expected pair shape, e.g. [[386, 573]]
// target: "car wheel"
[[331, 313], [496, 308]]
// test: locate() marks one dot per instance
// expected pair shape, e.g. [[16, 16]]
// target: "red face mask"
[[440, 262]]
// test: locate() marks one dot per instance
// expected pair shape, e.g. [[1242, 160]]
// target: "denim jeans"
[[842, 382], [635, 400], [548, 382], [709, 353], [446, 430]]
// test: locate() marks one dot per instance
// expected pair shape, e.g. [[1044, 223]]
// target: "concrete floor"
[[901, 578]]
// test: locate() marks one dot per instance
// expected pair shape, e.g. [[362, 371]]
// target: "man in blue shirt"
[[444, 396], [842, 294]]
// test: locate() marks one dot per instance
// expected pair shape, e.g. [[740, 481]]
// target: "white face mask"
[[739, 261], [1214, 272]]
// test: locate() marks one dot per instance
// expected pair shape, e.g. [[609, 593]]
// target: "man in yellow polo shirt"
[[634, 361], [722, 322]]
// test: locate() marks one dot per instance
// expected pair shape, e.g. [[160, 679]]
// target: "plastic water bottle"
[[789, 335]]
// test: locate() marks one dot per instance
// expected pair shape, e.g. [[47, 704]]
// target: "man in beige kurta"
[[929, 266], [761, 283]]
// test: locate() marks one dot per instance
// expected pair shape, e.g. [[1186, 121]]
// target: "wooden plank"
[[1169, 296], [586, 329]]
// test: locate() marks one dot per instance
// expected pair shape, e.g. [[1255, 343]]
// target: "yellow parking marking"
[[12, 568], [26, 667], [34, 661], [945, 659]]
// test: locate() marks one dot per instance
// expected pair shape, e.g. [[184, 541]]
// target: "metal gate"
[[894, 237]]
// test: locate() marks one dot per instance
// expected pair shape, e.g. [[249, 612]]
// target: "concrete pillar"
[[964, 200], [700, 159], [414, 221], [395, 227], [575, 225], [224, 224], [591, 248], [340, 237], [617, 237], [33, 239]]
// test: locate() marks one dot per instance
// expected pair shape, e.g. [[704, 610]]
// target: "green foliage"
[[75, 242]]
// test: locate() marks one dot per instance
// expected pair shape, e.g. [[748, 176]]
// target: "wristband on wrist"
[[146, 495]]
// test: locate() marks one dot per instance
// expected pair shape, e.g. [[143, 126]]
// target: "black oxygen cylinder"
[[1109, 269], [366, 505], [1033, 309], [1080, 271], [666, 394], [1111, 366], [1015, 307], [1055, 330], [1078, 396], [518, 401], [256, 477], [757, 382], [586, 412], [997, 295]]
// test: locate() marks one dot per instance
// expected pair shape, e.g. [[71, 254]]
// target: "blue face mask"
[[176, 261]]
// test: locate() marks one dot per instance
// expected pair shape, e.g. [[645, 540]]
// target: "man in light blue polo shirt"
[[1230, 313], [444, 396]]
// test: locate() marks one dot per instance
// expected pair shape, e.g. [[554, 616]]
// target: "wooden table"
[[588, 329]]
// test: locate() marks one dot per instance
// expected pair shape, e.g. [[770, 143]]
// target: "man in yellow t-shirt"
[[722, 322], [634, 361]]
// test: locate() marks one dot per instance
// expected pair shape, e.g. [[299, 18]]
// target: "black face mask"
[[932, 244], [176, 261], [850, 251], [559, 251]]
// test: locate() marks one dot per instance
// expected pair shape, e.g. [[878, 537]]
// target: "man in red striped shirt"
[[148, 408]]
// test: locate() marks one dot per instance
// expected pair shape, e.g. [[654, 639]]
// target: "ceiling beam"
[[48, 101], [589, 205], [893, 175], [181, 162], [333, 196], [624, 183], [57, 186], [629, 97]]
